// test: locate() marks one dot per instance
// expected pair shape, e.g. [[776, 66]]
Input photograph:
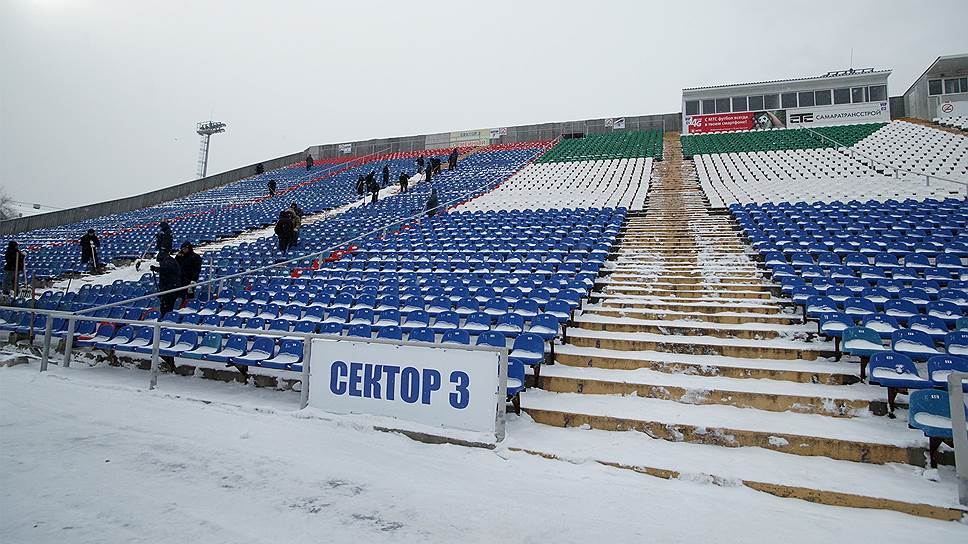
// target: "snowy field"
[[87, 455]]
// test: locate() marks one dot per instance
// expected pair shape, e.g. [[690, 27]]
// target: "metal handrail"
[[885, 165], [319, 253], [307, 338]]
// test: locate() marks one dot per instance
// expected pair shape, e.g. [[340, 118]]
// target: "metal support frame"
[[956, 400], [501, 394]]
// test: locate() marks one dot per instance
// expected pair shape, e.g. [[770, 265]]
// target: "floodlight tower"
[[205, 130]]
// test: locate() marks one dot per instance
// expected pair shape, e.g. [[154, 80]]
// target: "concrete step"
[[860, 439], [747, 331], [683, 291], [897, 488], [700, 345], [705, 306], [761, 394], [721, 317]]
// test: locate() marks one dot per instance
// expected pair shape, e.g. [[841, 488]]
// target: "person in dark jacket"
[[361, 187], [404, 181], [163, 238], [428, 173], [259, 169], [89, 244], [420, 165], [435, 165], [432, 203], [284, 230], [190, 265], [386, 175], [452, 160], [12, 267], [309, 162], [373, 187], [169, 277], [272, 188], [296, 216]]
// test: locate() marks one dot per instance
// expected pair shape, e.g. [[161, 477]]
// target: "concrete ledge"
[[818, 496]]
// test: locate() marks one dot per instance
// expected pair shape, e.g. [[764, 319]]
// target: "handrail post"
[[155, 347], [45, 357], [956, 402], [304, 387], [69, 341]]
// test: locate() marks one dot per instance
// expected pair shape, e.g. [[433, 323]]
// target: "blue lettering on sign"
[[337, 371], [431, 383], [388, 382], [409, 384], [355, 369], [461, 396]]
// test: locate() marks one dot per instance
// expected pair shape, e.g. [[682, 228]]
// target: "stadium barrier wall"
[[80, 213], [669, 122]]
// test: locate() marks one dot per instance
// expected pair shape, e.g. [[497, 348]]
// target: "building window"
[[739, 103], [858, 94], [709, 106], [806, 99], [692, 107], [771, 102], [789, 100], [756, 103], [958, 85], [876, 93], [822, 98], [841, 96], [722, 105], [934, 87]]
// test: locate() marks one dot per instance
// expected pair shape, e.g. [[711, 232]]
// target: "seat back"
[[456, 336]]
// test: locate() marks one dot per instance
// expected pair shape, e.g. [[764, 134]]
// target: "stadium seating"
[[594, 184], [775, 140], [619, 145], [918, 148], [954, 121]]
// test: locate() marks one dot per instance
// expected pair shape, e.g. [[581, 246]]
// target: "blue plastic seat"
[[390, 332], [187, 340], [956, 343], [492, 338], [446, 321], [913, 343], [930, 412], [263, 348], [288, 357], [940, 366], [422, 334], [545, 325], [477, 323], [456, 336]]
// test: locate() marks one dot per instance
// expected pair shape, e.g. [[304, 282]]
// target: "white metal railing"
[[306, 337], [897, 170]]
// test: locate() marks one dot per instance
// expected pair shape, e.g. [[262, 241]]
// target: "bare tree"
[[6, 207]]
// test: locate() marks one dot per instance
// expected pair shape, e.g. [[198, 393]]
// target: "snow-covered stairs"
[[685, 340]]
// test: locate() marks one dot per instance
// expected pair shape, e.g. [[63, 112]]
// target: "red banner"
[[719, 122]]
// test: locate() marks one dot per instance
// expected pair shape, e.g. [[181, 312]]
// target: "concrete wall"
[[898, 110], [71, 215], [520, 133]]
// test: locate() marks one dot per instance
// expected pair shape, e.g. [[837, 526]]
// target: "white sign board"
[[437, 386], [952, 109], [844, 114], [498, 132], [345, 148]]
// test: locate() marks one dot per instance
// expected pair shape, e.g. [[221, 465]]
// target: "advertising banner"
[[747, 120], [615, 124], [843, 114], [952, 109], [346, 149], [470, 138], [437, 386]]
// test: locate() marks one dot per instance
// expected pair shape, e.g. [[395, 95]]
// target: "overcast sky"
[[99, 98]]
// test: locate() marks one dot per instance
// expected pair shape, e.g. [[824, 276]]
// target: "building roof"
[[941, 63], [845, 73]]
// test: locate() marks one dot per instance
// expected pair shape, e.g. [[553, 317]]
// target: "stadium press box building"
[[835, 98]]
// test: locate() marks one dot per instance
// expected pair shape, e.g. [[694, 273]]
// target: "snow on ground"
[[87, 455]]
